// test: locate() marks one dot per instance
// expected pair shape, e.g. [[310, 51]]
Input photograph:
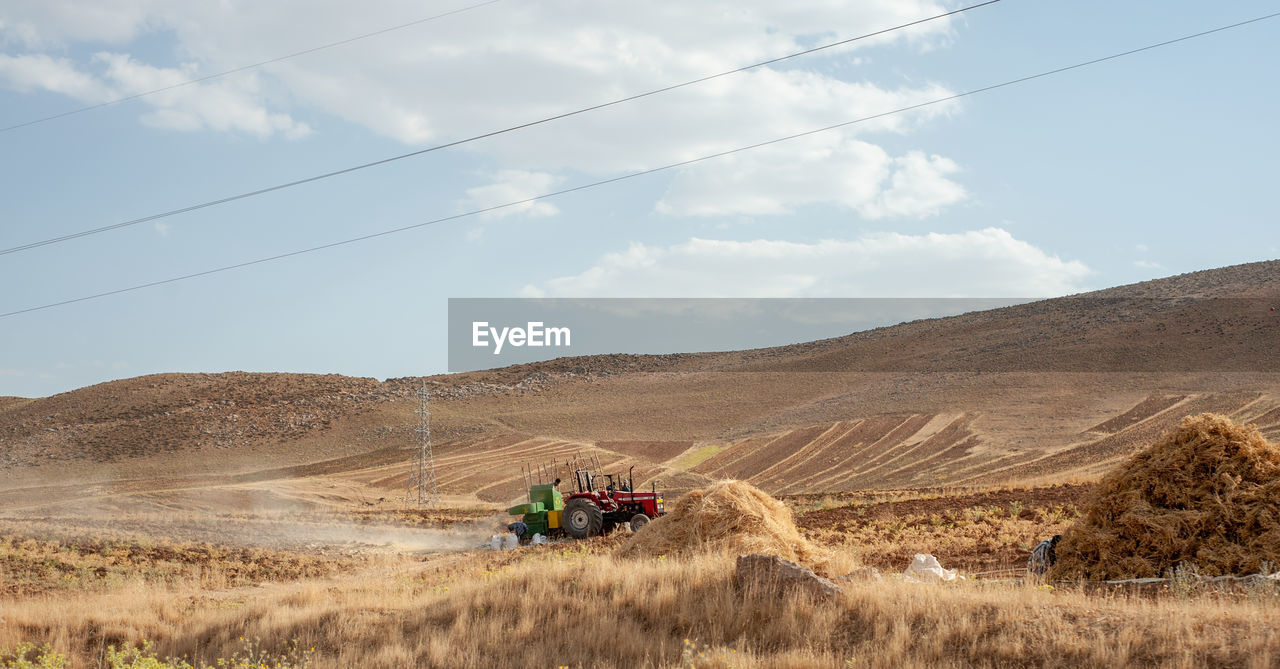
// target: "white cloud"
[[33, 72], [514, 62], [226, 105], [980, 263], [514, 186], [1147, 264], [851, 173], [55, 23], [690, 123], [774, 179], [222, 105], [919, 187]]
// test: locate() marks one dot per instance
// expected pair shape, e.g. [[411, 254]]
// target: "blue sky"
[[1143, 167]]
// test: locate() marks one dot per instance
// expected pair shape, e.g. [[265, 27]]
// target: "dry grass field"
[[578, 604], [258, 518]]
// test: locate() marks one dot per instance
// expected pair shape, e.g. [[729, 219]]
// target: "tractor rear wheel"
[[638, 521], [582, 518]]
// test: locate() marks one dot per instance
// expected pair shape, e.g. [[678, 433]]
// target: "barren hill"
[[1054, 389], [169, 412]]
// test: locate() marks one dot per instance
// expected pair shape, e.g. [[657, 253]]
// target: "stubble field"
[[361, 602]]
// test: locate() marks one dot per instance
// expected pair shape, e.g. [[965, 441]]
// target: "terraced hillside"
[[494, 470], [1046, 391], [1101, 447], [888, 451], [914, 450]]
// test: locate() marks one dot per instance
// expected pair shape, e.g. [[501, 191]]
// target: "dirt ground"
[[1029, 498], [988, 533]]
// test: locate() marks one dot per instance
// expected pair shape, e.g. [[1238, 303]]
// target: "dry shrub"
[[1208, 495], [726, 516]]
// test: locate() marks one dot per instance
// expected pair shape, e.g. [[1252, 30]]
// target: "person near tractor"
[[1043, 556], [519, 529]]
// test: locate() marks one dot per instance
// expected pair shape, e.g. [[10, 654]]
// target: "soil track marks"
[[1030, 499], [1092, 457], [880, 451]]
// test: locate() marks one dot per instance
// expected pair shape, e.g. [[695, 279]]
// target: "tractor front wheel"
[[582, 518], [638, 521]]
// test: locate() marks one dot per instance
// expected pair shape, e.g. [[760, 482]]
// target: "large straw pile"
[[726, 516], [1207, 495]]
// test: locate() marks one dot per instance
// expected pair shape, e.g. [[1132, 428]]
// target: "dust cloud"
[[309, 532]]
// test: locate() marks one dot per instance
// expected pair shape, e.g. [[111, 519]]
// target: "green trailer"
[[542, 512]]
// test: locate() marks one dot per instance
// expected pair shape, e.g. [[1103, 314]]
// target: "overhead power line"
[[419, 152], [633, 175], [242, 68]]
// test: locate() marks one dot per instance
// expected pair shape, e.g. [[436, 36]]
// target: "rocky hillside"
[[169, 412]]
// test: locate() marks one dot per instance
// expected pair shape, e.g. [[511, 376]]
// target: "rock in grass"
[[773, 573]]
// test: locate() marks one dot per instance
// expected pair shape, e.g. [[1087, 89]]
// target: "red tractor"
[[601, 502]]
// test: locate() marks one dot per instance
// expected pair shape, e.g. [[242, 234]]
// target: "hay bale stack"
[[726, 516], [1208, 495]]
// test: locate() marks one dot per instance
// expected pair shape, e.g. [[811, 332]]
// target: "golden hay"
[[726, 516], [1208, 495]]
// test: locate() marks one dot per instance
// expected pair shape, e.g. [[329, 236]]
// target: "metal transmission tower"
[[423, 489]]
